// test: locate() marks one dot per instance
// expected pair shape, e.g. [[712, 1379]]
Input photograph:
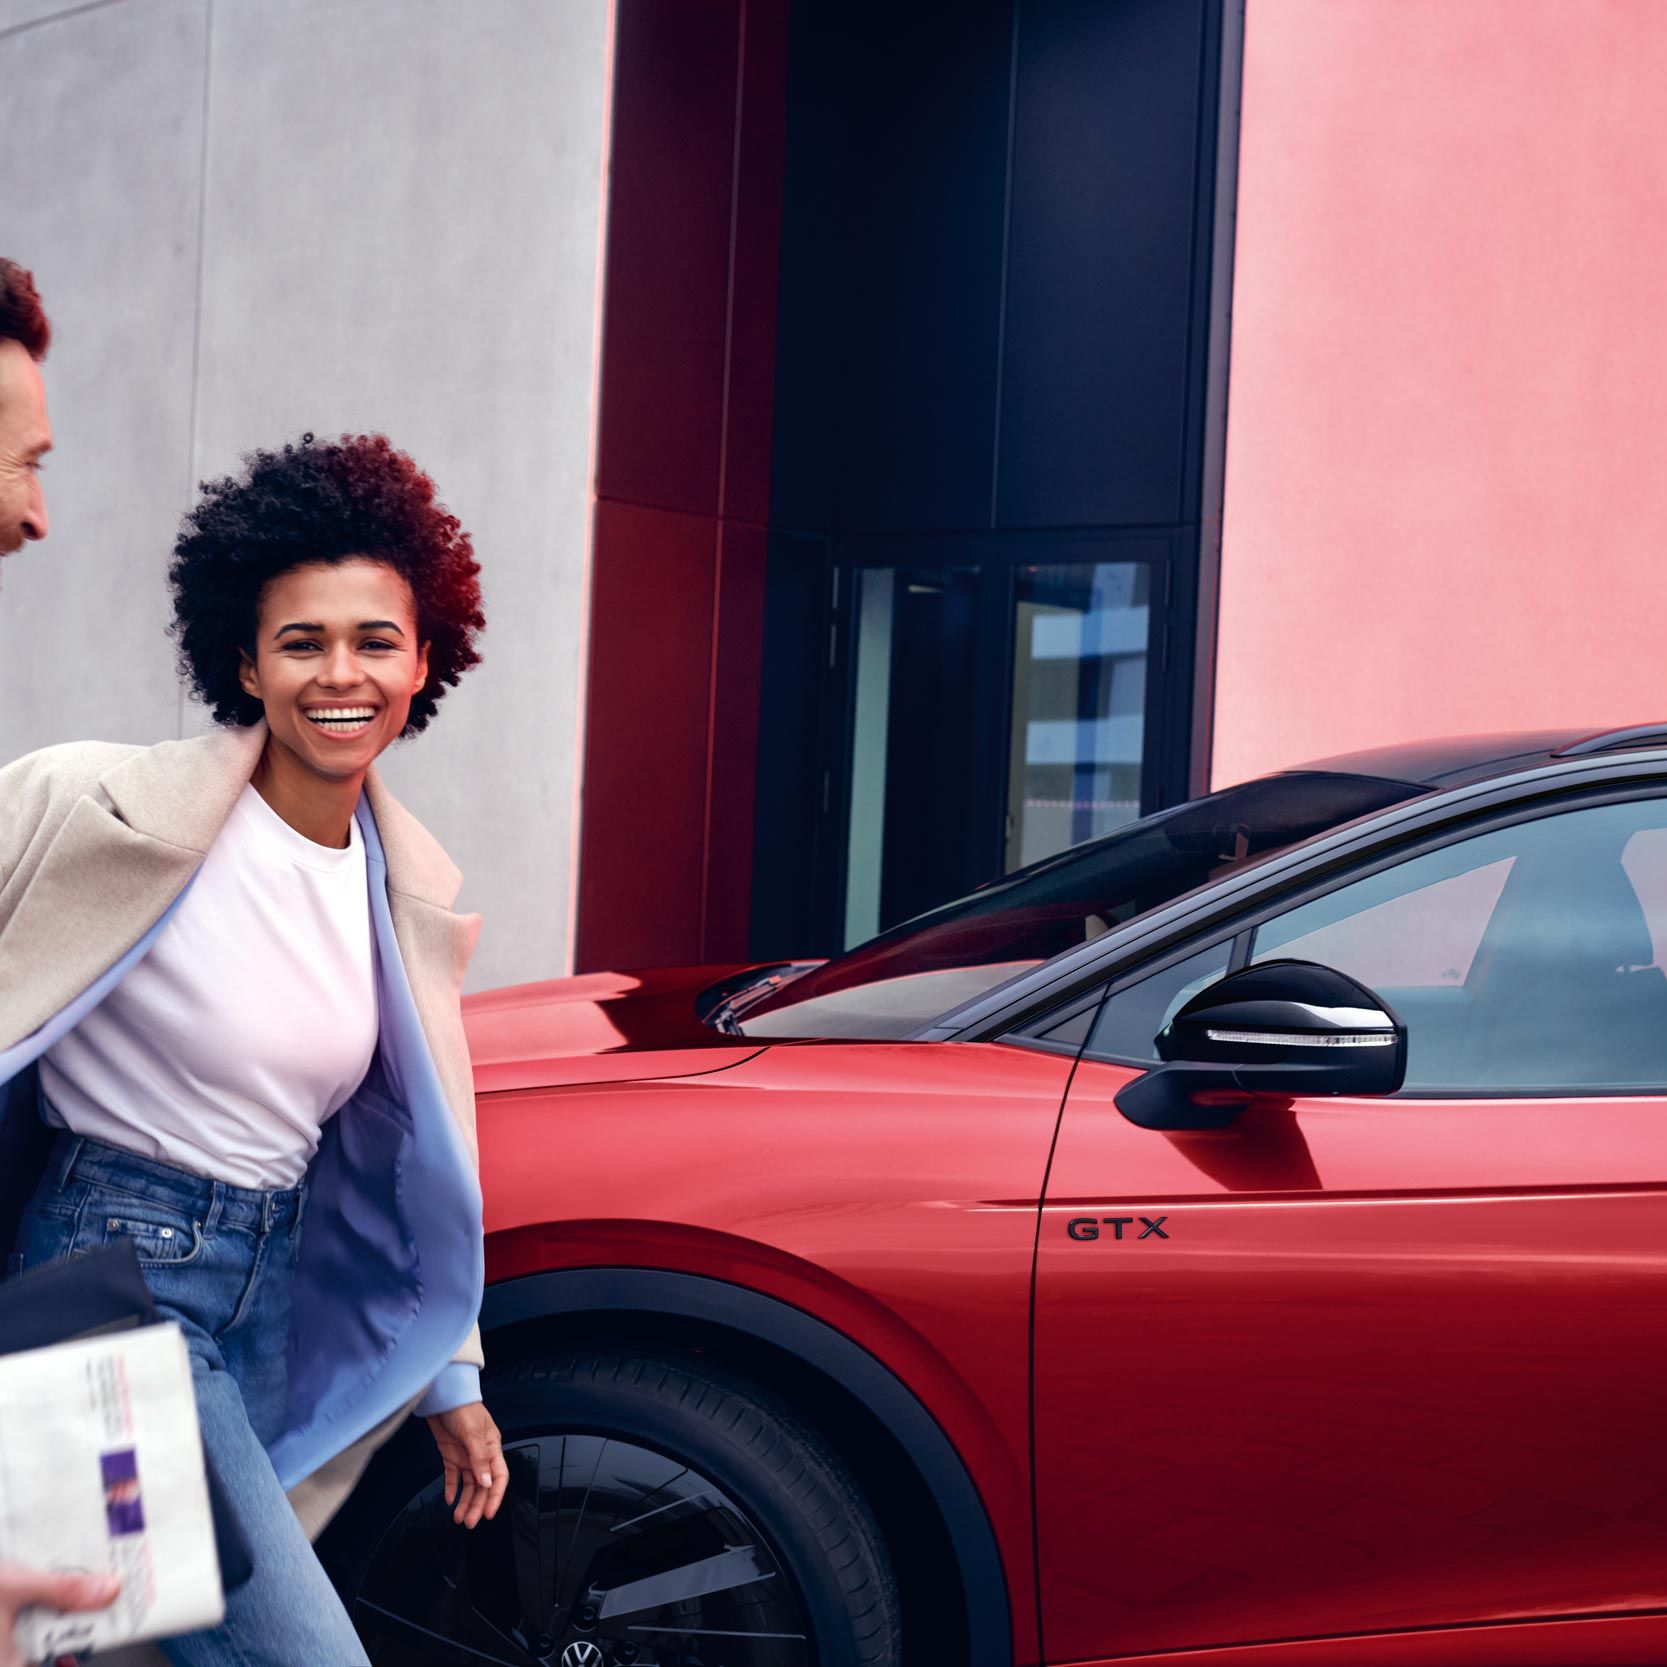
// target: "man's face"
[[25, 438]]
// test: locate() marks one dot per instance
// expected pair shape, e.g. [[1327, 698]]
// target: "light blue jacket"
[[98, 845]]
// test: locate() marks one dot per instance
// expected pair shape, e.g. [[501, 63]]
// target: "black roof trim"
[[1448, 760], [1615, 740]]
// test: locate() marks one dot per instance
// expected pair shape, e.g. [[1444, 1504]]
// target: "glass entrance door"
[[998, 713]]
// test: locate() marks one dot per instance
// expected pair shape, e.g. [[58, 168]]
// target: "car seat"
[[1566, 990]]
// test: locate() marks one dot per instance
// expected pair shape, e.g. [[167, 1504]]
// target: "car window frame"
[[1374, 854], [1183, 950]]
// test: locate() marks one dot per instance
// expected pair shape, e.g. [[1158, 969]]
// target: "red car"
[[1240, 1239]]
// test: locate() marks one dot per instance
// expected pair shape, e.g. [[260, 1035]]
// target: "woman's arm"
[[471, 1449], [456, 1386]]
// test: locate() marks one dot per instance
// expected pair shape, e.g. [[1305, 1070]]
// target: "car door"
[[1351, 1365]]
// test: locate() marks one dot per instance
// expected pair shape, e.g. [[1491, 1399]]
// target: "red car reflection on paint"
[[920, 1306]]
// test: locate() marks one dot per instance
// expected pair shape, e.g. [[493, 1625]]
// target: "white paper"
[[101, 1467]]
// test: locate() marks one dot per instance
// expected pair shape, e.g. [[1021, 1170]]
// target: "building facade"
[[901, 440]]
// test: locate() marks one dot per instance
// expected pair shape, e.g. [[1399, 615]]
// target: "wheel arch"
[[742, 1323]]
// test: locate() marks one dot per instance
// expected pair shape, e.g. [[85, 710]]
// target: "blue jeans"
[[219, 1260]]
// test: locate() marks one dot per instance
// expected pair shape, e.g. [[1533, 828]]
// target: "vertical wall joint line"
[[723, 478], [192, 445]]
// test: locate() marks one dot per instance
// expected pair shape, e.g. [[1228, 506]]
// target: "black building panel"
[[809, 320], [891, 271], [788, 815], [1096, 364]]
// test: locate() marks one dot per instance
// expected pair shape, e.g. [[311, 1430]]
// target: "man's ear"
[[422, 669], [247, 675]]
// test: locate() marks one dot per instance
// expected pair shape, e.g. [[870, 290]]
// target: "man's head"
[[25, 434]]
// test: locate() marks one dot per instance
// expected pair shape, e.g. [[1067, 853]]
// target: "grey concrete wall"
[[101, 142], [254, 217]]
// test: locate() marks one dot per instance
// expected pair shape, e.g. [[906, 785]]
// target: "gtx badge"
[[1086, 1227]]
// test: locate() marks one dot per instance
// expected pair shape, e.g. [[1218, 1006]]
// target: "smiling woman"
[[335, 680], [354, 498], [232, 990]]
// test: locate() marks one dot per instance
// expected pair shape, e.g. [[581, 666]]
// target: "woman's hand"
[[20, 1587], [473, 1453]]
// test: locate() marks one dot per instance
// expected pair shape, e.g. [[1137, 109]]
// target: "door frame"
[[1166, 764]]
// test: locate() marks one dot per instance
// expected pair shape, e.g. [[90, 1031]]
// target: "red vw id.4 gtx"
[[1241, 1239]]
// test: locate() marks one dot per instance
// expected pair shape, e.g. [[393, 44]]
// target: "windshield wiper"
[[725, 1014]]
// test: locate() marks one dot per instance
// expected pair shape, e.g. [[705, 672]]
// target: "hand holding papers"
[[21, 1586], [101, 1471]]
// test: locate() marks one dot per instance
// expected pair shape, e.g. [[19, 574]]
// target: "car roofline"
[[1453, 760], [1079, 968]]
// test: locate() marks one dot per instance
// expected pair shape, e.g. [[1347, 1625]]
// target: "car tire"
[[742, 1454]]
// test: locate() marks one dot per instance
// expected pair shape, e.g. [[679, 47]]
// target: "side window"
[[1131, 1017], [1423, 939], [1527, 958]]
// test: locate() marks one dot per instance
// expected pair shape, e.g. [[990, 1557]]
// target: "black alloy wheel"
[[660, 1513]]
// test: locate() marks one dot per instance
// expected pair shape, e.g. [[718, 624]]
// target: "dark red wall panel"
[[644, 805], [667, 280], [736, 660], [687, 389]]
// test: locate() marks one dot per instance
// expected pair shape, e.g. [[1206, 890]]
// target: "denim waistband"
[[76, 1158]]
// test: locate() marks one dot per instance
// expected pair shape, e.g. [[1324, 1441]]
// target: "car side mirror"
[[1285, 1028]]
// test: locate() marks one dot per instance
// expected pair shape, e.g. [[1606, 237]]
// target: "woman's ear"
[[422, 669], [247, 675]]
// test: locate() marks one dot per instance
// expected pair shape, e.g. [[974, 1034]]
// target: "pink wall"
[[1446, 494]]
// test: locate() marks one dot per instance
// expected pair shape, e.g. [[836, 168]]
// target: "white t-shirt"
[[251, 1020]]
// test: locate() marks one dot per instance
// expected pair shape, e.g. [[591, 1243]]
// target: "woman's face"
[[336, 662]]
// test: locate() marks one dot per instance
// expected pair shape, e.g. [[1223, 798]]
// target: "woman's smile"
[[340, 720]]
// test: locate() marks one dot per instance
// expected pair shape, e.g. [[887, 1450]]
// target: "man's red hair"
[[22, 318]]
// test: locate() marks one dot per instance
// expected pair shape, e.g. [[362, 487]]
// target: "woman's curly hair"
[[318, 502]]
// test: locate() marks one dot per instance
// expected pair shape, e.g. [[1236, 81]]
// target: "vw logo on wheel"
[[582, 1653]]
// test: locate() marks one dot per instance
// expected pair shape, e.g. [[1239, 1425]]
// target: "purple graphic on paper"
[[122, 1507]]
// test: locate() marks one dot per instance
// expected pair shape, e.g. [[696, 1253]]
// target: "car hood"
[[598, 1027]]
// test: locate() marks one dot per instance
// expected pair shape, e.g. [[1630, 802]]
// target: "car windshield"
[[900, 981]]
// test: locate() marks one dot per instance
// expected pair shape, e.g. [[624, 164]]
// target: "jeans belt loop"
[[66, 1164]]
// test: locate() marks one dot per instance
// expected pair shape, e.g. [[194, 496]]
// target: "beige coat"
[[98, 839]]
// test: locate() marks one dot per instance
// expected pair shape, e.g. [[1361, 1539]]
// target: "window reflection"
[[1080, 635]]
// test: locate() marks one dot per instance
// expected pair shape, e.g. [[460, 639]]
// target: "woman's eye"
[[306, 645]]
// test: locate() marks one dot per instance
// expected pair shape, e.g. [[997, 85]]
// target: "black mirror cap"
[[1284, 1029], [1292, 1013]]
